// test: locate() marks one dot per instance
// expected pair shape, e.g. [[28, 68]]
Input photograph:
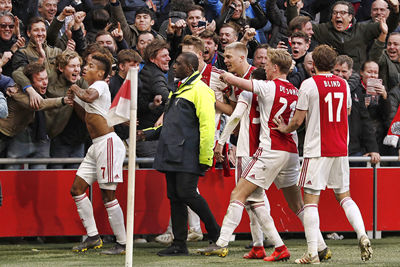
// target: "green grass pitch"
[[345, 253]]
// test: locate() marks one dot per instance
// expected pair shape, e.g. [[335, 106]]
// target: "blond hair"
[[281, 58], [238, 46]]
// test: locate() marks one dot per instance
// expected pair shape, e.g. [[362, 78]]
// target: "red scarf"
[[393, 134]]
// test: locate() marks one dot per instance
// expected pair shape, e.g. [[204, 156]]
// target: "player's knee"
[[75, 191]]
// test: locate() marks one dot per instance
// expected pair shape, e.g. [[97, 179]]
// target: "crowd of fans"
[[58, 36]]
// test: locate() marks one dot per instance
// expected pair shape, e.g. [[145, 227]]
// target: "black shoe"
[[118, 249], [94, 242], [174, 250]]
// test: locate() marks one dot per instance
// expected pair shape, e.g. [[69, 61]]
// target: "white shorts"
[[319, 173], [258, 194], [276, 166], [103, 161]]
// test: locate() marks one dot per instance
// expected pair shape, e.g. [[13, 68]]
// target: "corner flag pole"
[[133, 77]]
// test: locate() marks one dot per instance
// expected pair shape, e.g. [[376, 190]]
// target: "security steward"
[[185, 150]]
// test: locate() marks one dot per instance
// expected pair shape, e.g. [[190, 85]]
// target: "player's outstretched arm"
[[231, 79], [294, 122]]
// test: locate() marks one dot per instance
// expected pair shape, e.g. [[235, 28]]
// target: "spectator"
[[211, 54], [260, 57], [178, 11], [100, 19], [21, 138], [9, 41], [303, 23], [235, 11], [343, 32], [394, 99], [144, 20], [362, 135], [107, 40], [378, 105], [388, 60], [144, 39], [227, 35], [126, 58], [154, 92], [300, 44], [73, 38], [65, 125], [47, 10]]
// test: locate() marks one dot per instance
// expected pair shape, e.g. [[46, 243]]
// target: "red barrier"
[[38, 203]]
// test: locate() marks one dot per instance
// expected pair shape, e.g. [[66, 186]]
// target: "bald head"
[[379, 9]]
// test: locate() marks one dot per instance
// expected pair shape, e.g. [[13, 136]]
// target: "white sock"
[[311, 227], [116, 219], [267, 223], [231, 221], [353, 215], [169, 228], [266, 203], [321, 242], [194, 220], [85, 211], [255, 228]]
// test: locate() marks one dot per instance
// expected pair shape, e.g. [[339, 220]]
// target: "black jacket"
[[362, 134], [153, 82], [186, 138]]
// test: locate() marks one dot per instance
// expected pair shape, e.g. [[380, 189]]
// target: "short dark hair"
[[298, 23], [33, 68], [151, 50], [209, 34], [181, 5], [105, 63], [231, 25], [366, 62], [128, 55], [100, 18], [194, 41], [341, 59], [33, 21], [103, 32], [259, 74], [190, 60], [345, 3], [302, 35], [145, 10], [95, 47], [324, 57], [195, 7]]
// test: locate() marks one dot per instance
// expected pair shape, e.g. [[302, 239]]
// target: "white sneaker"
[[165, 238], [194, 236]]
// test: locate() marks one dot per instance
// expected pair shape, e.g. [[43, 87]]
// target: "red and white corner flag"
[[393, 134], [120, 107]]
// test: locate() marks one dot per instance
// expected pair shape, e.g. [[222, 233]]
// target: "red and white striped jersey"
[[326, 98], [276, 98], [210, 76], [249, 133]]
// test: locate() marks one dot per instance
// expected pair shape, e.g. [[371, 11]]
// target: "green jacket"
[[29, 54], [352, 42], [187, 134]]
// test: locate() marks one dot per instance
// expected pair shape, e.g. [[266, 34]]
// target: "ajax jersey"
[[326, 97]]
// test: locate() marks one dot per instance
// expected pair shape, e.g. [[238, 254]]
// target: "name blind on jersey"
[[332, 84]]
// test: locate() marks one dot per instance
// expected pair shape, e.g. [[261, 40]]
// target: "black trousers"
[[181, 191]]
